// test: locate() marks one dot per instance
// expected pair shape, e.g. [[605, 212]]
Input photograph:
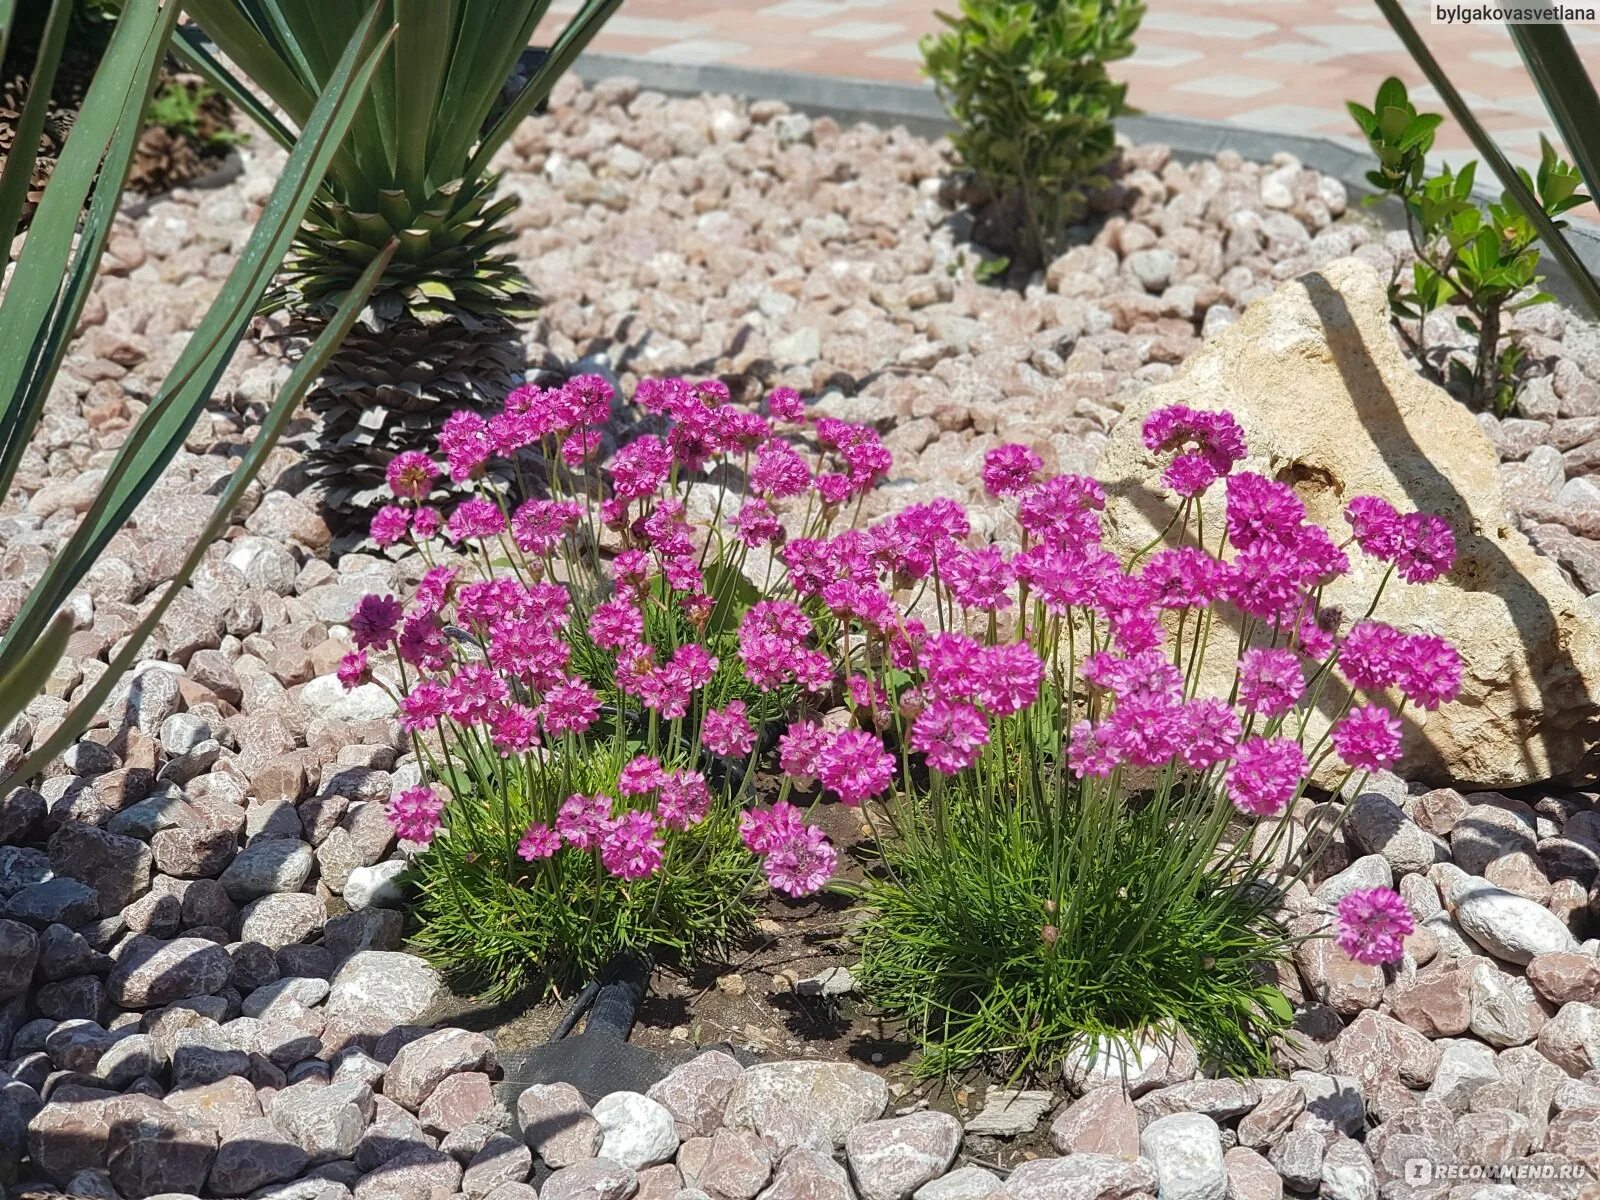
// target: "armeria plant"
[[1070, 837]]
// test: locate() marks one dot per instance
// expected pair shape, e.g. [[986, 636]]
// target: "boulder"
[[1329, 404]]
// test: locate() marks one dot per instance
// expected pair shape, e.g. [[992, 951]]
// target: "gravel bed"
[[203, 989]]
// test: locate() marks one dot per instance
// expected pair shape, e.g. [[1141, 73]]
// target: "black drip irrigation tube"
[[600, 1059]]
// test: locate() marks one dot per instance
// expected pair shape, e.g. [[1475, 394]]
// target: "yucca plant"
[[1569, 97], [44, 300], [438, 335]]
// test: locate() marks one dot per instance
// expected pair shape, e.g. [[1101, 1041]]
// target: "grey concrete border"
[[916, 108]]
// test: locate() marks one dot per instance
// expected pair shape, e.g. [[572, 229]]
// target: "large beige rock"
[[1329, 405]]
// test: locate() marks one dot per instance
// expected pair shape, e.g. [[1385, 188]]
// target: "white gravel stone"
[[965, 1183], [638, 1132], [892, 1159], [377, 885], [1464, 1067], [1510, 927], [387, 986], [1186, 1149]]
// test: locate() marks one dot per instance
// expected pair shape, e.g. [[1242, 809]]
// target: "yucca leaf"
[[1551, 237], [479, 70], [283, 409], [50, 285], [166, 421], [1568, 93], [421, 54], [25, 678], [18, 173], [579, 32], [8, 11]]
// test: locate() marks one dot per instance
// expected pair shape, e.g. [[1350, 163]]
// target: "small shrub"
[[1066, 829], [1483, 261], [1026, 82]]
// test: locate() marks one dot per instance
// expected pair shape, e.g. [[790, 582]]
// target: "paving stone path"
[[1283, 65]]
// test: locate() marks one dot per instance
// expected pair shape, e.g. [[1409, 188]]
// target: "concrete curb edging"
[[917, 108]]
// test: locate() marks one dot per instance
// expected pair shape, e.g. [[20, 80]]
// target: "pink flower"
[[374, 620], [466, 443], [514, 729], [1063, 511], [1265, 775], [1372, 656], [1087, 756], [1183, 577], [1270, 681], [354, 670], [616, 624], [582, 819], [579, 447], [755, 524], [569, 707], [1429, 671], [1008, 678], [951, 735], [855, 766], [1419, 544], [1267, 581], [1208, 444], [640, 468], [390, 524], [425, 524], [799, 747], [771, 642], [1376, 526], [979, 579], [629, 847], [1209, 732], [641, 775], [1064, 578], [411, 475], [538, 526], [785, 404], [415, 814], [422, 643], [1009, 470], [802, 864], [1259, 508], [434, 589], [424, 705], [779, 472], [949, 664], [685, 799], [727, 731], [1368, 738], [1373, 924], [1125, 602], [540, 841], [763, 830], [475, 518], [1427, 550], [476, 694]]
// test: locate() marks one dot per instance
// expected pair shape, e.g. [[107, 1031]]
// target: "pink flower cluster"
[[489, 661], [795, 857], [630, 843], [1373, 924], [492, 659]]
